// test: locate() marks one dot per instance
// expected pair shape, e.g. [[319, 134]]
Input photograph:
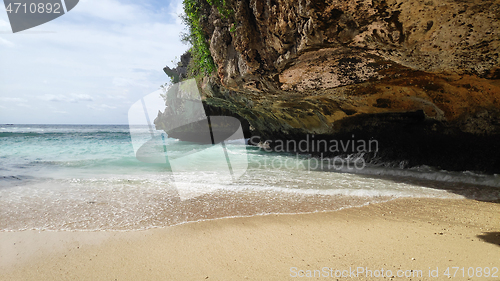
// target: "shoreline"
[[401, 234]]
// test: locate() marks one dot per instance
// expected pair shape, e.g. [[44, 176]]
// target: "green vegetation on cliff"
[[196, 11]]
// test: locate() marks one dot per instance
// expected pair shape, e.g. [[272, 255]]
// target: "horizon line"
[[81, 124]]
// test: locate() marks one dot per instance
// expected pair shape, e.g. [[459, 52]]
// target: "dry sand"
[[404, 234]]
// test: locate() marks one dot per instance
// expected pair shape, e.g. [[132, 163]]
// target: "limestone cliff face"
[[272, 38], [418, 75]]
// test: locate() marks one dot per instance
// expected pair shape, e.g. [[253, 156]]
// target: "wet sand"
[[424, 235]]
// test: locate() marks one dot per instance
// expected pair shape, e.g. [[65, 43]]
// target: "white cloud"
[[179, 10], [82, 97], [107, 52], [6, 99], [110, 10], [4, 25], [101, 107], [66, 98], [52, 98], [6, 43]]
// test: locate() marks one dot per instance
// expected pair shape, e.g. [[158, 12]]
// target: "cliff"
[[421, 77]]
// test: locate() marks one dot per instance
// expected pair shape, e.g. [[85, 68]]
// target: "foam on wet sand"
[[403, 234]]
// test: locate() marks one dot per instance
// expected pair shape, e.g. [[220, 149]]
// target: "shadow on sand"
[[490, 237]]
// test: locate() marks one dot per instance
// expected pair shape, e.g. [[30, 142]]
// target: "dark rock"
[[180, 72], [420, 77]]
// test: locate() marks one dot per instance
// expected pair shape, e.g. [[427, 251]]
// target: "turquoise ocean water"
[[86, 177]]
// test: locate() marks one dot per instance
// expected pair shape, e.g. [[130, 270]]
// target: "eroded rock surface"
[[418, 75]]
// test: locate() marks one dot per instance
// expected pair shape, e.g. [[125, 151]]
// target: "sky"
[[89, 65]]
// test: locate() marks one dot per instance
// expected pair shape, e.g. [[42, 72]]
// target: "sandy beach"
[[404, 239]]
